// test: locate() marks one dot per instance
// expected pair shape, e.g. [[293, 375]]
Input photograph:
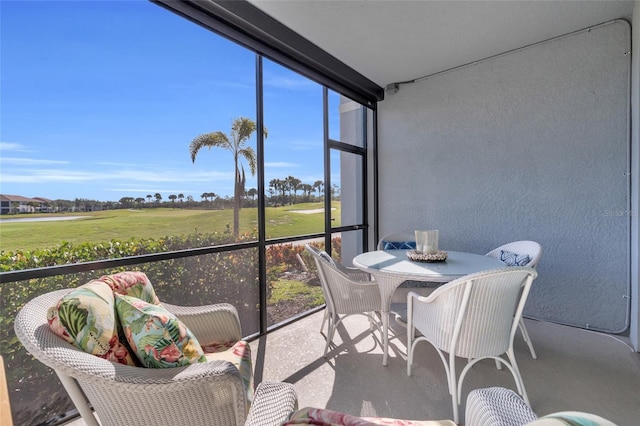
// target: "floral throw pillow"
[[132, 283], [156, 336], [85, 317], [514, 259], [324, 417], [572, 418]]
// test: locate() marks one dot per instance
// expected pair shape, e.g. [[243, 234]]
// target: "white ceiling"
[[397, 40]]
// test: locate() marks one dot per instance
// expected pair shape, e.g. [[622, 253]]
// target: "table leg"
[[387, 284], [385, 338]]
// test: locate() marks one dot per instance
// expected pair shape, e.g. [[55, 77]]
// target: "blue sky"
[[100, 100]]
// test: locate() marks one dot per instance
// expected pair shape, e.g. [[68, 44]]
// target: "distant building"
[[13, 204]]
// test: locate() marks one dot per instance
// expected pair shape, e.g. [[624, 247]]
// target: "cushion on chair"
[[132, 283], [85, 317], [324, 255], [398, 245], [514, 259], [156, 336], [324, 417], [572, 418], [239, 354]]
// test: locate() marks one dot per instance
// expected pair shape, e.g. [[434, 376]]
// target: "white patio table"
[[392, 267]]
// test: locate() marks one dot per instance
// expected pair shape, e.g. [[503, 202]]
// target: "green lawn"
[[110, 225]]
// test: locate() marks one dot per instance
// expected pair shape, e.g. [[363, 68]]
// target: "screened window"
[[149, 143]]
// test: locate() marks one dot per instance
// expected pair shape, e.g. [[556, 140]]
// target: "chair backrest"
[[476, 315], [336, 283], [528, 248], [323, 260], [122, 394], [398, 241], [316, 252]]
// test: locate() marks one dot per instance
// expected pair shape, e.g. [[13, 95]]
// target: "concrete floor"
[[576, 370]]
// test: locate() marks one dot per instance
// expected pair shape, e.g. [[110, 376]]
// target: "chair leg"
[[78, 399], [324, 319], [517, 376], [525, 335], [331, 328], [453, 387], [411, 343], [371, 325], [409, 356]]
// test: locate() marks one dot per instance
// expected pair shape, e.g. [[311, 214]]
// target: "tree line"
[[287, 191], [280, 192]]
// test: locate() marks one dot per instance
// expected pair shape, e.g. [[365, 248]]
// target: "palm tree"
[[306, 190], [278, 185], [293, 184], [241, 130], [318, 185]]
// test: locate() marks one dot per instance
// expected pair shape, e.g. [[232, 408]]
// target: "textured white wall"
[[634, 332], [533, 144]]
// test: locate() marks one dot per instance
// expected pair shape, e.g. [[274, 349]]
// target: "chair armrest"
[[273, 403], [210, 392], [210, 324], [497, 406], [355, 273]]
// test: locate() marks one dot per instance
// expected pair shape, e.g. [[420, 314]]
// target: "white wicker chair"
[[344, 295], [534, 251], [354, 273], [473, 317], [209, 393], [499, 406]]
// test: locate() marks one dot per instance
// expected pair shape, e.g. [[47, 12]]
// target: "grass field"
[[96, 227]]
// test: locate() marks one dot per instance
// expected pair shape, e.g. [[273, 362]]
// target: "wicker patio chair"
[[344, 295], [497, 406], [353, 273], [210, 393], [511, 253], [474, 317]]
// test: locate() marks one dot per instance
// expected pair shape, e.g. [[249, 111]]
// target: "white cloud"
[[10, 146], [204, 85], [110, 174], [291, 83], [46, 175], [281, 164], [17, 161], [306, 145]]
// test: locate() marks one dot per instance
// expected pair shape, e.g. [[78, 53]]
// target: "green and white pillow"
[[85, 317], [155, 335]]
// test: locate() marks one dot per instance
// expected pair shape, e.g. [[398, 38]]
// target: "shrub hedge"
[[220, 277]]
